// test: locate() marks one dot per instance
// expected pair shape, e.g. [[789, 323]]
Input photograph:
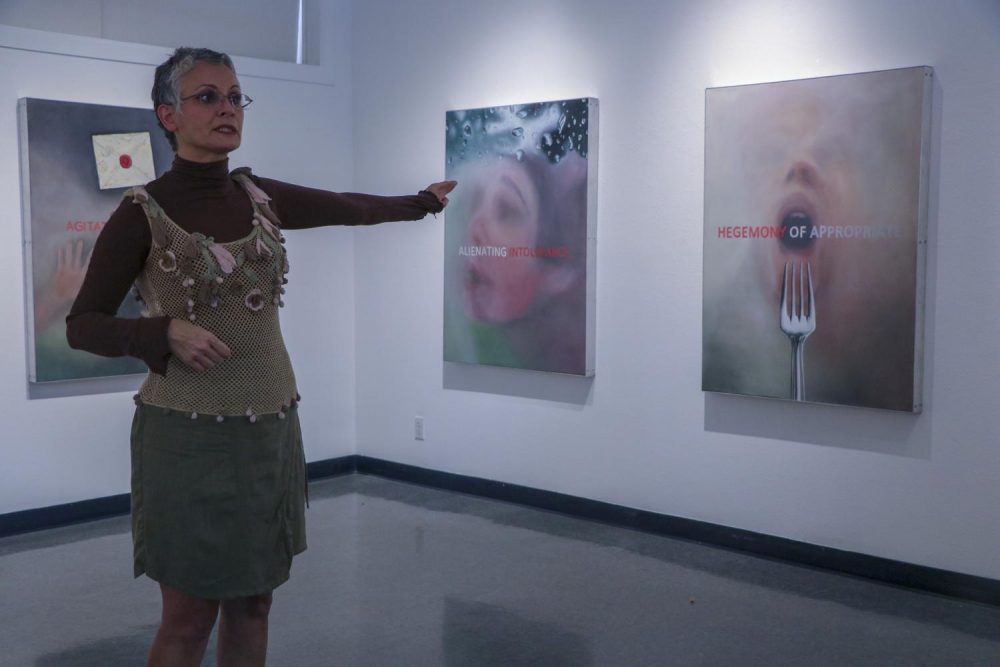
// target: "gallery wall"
[[917, 488], [67, 443]]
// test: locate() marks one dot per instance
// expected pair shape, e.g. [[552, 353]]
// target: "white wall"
[[62, 449], [923, 489]]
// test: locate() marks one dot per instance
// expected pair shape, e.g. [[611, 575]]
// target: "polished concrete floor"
[[403, 575]]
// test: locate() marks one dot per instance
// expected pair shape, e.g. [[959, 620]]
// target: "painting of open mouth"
[[815, 229]]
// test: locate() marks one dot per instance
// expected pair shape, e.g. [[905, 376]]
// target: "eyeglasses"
[[212, 98]]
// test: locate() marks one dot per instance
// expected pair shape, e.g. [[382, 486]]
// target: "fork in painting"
[[797, 320]]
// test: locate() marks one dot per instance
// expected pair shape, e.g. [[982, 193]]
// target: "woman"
[[218, 480]]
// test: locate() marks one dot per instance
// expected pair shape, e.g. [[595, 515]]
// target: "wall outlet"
[[418, 428]]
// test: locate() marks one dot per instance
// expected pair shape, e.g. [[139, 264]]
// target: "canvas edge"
[[593, 132], [817, 77], [704, 230], [27, 247], [444, 252], [923, 209]]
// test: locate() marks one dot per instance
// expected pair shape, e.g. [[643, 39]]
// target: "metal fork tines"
[[798, 318]]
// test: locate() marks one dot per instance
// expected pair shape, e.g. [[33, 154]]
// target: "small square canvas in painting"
[[123, 160]]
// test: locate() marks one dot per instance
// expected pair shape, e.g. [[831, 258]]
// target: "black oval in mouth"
[[797, 230]]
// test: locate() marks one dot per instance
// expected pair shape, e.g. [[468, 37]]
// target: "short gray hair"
[[166, 81]]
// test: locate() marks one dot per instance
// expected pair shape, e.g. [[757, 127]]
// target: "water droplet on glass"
[[451, 160], [519, 154], [569, 144], [562, 123], [547, 138], [523, 113], [465, 142], [518, 131], [467, 129], [558, 157]]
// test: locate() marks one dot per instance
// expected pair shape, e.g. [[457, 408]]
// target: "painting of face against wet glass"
[[814, 238], [76, 162], [519, 236]]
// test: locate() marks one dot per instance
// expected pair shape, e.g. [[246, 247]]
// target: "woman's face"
[[504, 215], [819, 168], [205, 132], [809, 182]]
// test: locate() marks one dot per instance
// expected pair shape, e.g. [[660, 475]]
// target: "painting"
[[123, 160], [814, 238], [76, 162], [519, 236]]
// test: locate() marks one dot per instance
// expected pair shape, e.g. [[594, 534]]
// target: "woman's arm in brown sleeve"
[[92, 324], [299, 207]]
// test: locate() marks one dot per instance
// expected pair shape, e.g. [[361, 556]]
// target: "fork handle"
[[798, 369]]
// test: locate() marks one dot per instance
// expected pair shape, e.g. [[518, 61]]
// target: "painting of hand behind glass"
[[516, 236], [814, 236], [76, 161]]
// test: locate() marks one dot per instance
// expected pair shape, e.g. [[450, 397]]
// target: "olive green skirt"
[[218, 508]]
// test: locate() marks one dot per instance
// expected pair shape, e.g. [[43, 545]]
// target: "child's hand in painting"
[[71, 268], [54, 301]]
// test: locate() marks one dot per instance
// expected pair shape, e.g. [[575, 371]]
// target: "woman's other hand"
[[196, 347], [441, 190]]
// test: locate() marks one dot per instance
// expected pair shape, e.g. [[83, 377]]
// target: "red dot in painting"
[[125, 160]]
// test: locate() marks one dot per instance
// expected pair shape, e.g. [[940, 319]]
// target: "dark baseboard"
[[919, 577], [28, 521], [342, 465], [42, 518]]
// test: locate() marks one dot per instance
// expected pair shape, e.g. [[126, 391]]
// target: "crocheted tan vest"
[[233, 290]]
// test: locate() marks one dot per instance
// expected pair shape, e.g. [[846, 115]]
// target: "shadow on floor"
[[482, 634]]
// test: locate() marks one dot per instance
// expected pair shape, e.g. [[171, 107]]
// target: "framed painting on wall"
[[76, 162], [519, 236], [815, 236]]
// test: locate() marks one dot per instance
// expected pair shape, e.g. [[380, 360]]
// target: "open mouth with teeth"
[[797, 217]]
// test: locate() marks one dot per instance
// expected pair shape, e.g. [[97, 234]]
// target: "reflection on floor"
[[398, 574]]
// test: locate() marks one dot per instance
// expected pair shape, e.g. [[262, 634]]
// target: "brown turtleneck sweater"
[[201, 197]]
